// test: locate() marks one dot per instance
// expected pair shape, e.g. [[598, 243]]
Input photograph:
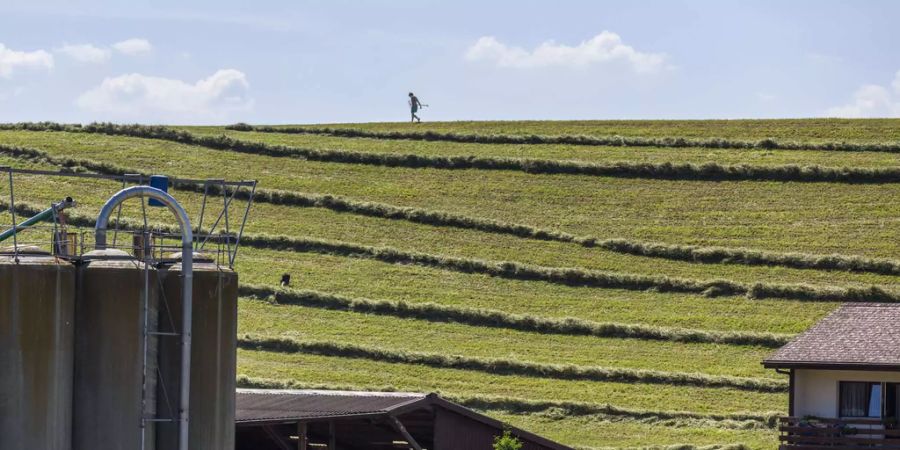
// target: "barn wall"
[[454, 431]]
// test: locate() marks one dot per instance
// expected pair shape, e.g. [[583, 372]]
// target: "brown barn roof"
[[855, 336], [264, 405], [259, 407]]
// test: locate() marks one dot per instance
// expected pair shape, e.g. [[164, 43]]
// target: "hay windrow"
[[709, 171], [569, 276], [516, 405], [499, 366], [690, 253], [500, 319], [606, 141]]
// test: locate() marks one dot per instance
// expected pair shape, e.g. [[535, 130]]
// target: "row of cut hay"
[[65, 164], [516, 405], [709, 171], [576, 276], [726, 255], [557, 409], [499, 319], [691, 253], [470, 316], [501, 366], [527, 272], [607, 141]]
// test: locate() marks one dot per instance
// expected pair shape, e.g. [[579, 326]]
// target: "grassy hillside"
[[615, 310]]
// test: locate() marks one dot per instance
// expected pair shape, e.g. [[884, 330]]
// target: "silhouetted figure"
[[285, 280], [414, 105]]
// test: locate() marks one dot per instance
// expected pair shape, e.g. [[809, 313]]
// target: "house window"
[[860, 399], [891, 400], [866, 399], [874, 400]]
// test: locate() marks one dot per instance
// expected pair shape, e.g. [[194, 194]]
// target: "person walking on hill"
[[414, 105]]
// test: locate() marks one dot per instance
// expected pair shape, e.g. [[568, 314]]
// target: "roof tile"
[[254, 405], [856, 333]]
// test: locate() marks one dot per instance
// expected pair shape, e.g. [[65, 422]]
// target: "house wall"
[[816, 391]]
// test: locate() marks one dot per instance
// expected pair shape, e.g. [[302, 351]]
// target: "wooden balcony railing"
[[798, 433]]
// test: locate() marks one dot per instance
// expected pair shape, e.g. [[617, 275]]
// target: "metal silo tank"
[[37, 297], [109, 399], [213, 354]]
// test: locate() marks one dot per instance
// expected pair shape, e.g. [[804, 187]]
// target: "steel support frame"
[[187, 258]]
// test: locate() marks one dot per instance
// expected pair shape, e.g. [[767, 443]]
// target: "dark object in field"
[[285, 280]]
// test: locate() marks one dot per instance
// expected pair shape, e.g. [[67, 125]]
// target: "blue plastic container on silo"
[[160, 182]]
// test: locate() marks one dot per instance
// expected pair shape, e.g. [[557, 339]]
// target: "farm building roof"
[[265, 405], [855, 336], [357, 419]]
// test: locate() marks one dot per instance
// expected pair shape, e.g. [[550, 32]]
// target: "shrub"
[[240, 126], [507, 441]]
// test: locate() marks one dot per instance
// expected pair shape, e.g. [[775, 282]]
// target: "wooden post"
[[302, 440], [402, 430], [791, 387], [280, 441], [332, 444]]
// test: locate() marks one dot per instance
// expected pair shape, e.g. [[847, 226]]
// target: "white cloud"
[[133, 46], [147, 97], [89, 53], [11, 60], [85, 53], [603, 48], [871, 100]]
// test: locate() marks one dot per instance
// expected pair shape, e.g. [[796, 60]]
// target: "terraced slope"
[[602, 311]]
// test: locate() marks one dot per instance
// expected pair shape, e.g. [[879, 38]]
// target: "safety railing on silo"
[[144, 241]]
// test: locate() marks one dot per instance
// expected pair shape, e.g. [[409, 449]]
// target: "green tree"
[[507, 442]]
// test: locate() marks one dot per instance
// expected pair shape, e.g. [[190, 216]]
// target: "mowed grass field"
[[630, 390]]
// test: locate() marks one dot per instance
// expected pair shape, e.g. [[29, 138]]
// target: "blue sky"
[[268, 61]]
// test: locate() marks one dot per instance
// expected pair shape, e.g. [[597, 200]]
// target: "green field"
[[817, 218]]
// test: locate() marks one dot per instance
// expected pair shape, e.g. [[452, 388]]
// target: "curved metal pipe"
[[187, 263]]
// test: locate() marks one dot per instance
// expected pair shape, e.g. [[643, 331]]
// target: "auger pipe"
[[187, 263], [43, 215]]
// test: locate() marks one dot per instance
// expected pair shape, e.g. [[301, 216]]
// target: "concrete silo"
[[37, 298], [213, 359], [115, 353]]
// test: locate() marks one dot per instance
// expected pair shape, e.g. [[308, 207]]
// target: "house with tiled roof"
[[844, 380]]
